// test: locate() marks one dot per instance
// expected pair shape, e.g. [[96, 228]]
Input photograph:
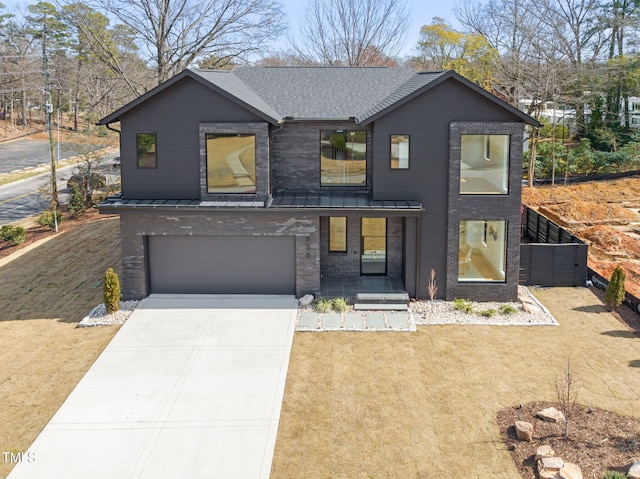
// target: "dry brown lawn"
[[43, 295], [424, 404]]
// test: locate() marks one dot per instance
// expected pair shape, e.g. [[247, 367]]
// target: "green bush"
[[76, 200], [13, 234], [111, 291], [487, 313], [47, 219], [614, 293], [507, 309], [463, 305], [323, 305], [614, 475], [340, 305]]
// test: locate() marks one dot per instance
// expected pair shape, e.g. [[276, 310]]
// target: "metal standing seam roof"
[[343, 200]]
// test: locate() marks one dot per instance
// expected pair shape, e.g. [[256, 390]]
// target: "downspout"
[[110, 128], [418, 239]]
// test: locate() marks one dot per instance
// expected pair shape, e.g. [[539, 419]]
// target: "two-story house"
[[273, 180]]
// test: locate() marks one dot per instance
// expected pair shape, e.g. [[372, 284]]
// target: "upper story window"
[[146, 150], [399, 152], [484, 165], [231, 163], [343, 158]]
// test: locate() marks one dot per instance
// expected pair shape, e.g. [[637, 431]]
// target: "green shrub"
[[614, 475], [76, 200], [463, 305], [507, 309], [614, 294], [111, 291], [13, 234], [323, 305], [487, 313], [47, 219], [340, 305]]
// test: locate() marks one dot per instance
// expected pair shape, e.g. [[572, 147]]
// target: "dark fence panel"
[[554, 257], [553, 264], [582, 179]]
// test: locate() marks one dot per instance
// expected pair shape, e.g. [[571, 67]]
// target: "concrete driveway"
[[190, 387]]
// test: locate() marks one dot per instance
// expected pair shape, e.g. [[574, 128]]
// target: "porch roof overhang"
[[330, 201]]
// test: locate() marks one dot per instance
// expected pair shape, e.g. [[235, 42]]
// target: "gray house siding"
[[430, 177], [137, 226], [174, 115], [295, 155]]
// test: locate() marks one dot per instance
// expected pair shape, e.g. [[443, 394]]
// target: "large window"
[[231, 163], [399, 152], [482, 251], [343, 158], [484, 165], [146, 150], [338, 234]]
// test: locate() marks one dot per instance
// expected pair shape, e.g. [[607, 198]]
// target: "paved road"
[[21, 199], [20, 154]]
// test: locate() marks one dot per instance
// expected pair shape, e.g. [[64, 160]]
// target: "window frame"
[[488, 234], [391, 167], [363, 184], [208, 187], [155, 147], [331, 250], [486, 147]]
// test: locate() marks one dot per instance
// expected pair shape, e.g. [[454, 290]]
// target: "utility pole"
[[48, 106]]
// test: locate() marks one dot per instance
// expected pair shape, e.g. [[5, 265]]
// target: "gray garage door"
[[222, 264]]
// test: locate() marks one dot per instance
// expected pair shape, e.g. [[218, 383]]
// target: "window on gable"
[[399, 152], [484, 165], [338, 234], [231, 163], [482, 251], [343, 157], [146, 150]]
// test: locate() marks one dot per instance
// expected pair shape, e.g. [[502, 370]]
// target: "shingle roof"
[[323, 92], [319, 93]]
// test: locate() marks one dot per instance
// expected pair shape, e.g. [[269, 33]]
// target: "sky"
[[422, 11]]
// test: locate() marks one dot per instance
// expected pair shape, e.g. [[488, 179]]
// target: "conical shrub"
[[111, 291], [614, 294]]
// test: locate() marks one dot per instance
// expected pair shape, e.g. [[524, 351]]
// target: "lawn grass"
[[43, 295], [422, 405]]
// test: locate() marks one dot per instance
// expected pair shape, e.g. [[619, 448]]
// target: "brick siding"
[[485, 207]]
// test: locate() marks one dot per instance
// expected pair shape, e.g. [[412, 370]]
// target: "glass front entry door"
[[373, 258]]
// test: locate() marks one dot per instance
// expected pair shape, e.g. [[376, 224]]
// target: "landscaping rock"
[[524, 430], [544, 451], [551, 414], [569, 471], [549, 467], [306, 300], [634, 471]]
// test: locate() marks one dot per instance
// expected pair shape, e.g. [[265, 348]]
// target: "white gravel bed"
[[98, 315], [442, 312]]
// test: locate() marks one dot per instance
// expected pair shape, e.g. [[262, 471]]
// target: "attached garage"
[[222, 264]]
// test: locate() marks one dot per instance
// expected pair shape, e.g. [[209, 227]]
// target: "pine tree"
[[614, 294], [111, 291]]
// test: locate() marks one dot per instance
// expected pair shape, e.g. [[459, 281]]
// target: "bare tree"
[[352, 32], [174, 34]]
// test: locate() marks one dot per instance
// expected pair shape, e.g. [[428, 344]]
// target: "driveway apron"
[[190, 387]]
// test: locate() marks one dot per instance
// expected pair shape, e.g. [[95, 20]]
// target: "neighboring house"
[[265, 180]]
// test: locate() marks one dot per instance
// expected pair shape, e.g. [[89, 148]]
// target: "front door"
[[373, 246]]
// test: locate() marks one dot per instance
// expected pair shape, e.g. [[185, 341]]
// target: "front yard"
[[43, 295], [357, 405], [422, 405]]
